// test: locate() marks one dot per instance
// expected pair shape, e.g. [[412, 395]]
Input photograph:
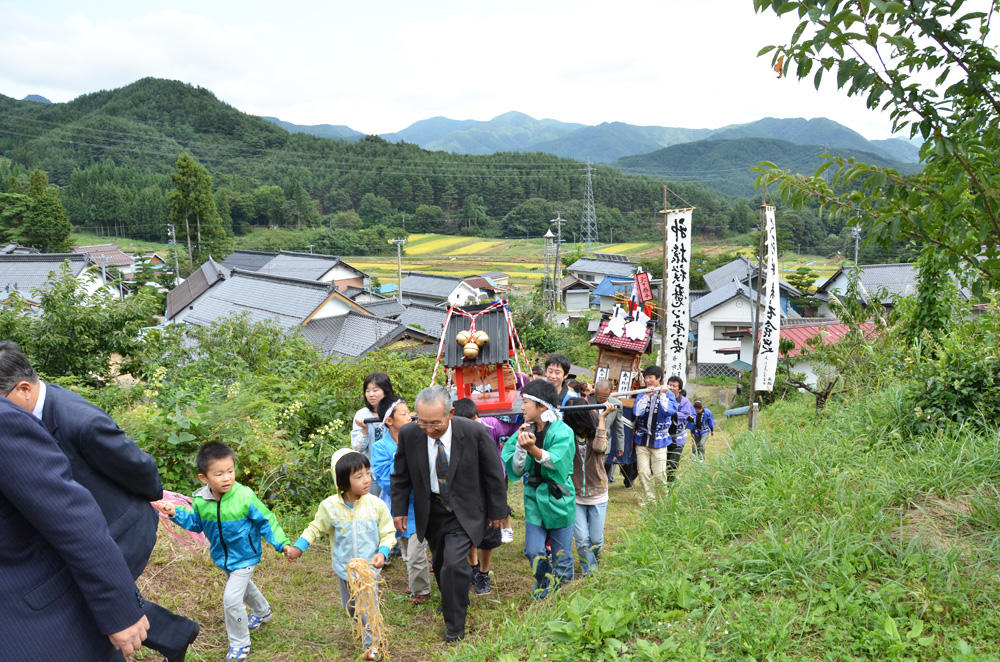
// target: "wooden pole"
[[752, 410], [663, 289]]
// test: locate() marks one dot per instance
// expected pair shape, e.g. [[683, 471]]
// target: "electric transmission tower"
[[588, 225]]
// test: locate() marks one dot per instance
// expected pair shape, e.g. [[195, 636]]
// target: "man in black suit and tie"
[[121, 477], [452, 468], [65, 590]]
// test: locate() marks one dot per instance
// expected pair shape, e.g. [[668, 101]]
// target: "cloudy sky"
[[378, 66]]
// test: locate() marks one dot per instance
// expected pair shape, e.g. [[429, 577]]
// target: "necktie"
[[441, 468]]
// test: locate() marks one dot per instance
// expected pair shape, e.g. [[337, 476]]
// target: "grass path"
[[308, 623]]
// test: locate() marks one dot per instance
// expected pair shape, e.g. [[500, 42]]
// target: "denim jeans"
[[589, 532], [561, 565]]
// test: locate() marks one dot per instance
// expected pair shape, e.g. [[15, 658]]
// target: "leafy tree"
[[194, 214], [346, 220], [36, 218], [927, 64], [73, 334], [427, 218], [374, 209]]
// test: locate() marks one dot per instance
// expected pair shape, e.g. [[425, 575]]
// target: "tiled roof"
[[432, 286], [27, 272], [113, 256], [738, 269], [495, 274], [18, 249], [305, 266], [724, 294], [429, 319], [194, 286], [606, 339], [603, 266], [285, 301], [389, 308], [480, 283], [830, 333], [353, 334], [568, 282], [248, 260]]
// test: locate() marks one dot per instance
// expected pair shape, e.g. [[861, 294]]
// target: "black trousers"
[[450, 545], [169, 633], [673, 459]]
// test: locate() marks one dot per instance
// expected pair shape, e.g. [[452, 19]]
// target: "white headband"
[[392, 408], [550, 414]]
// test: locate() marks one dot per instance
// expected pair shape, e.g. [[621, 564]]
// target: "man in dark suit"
[[65, 590], [452, 468], [121, 477]]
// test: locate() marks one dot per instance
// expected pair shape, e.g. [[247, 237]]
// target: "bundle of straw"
[[362, 582]]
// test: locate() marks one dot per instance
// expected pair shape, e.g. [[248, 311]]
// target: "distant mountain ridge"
[[37, 98], [609, 141], [724, 164]]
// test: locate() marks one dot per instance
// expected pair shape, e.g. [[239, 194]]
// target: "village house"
[[332, 322], [26, 273], [596, 267], [438, 290], [304, 266]]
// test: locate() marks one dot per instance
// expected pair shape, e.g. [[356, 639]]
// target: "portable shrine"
[[478, 345], [620, 350]]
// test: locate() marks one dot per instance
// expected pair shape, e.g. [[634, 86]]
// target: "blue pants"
[[561, 564], [589, 532]]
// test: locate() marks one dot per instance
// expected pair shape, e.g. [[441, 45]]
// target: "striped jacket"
[[234, 526]]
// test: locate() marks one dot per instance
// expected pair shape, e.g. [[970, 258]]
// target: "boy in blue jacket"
[[234, 520]]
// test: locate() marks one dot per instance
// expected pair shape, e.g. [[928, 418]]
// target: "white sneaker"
[[506, 535]]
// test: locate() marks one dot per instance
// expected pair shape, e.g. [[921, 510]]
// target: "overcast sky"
[[379, 66]]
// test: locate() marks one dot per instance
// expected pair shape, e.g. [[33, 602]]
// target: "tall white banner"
[[770, 314], [677, 280]]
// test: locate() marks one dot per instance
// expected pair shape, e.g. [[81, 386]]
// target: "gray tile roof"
[[429, 319], [25, 273], [389, 308], [194, 286], [248, 260], [353, 334], [17, 249], [725, 293], [738, 269], [599, 265], [306, 266], [285, 301], [429, 286]]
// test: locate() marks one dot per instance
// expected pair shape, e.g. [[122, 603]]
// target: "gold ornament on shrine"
[[480, 338], [471, 350], [463, 337]]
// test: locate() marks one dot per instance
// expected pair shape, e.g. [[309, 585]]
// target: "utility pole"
[[173, 242], [310, 247], [399, 268], [558, 220], [856, 233]]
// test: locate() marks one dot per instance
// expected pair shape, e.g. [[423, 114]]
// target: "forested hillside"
[[725, 164], [111, 154]]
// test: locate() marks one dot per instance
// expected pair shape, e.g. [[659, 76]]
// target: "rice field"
[[479, 247], [624, 248], [440, 245]]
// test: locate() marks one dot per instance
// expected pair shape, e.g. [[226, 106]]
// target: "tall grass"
[[826, 539]]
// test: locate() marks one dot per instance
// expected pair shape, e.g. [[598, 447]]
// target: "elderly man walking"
[[451, 467]]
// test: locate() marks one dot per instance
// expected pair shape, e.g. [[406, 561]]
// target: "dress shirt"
[[432, 454], [40, 403]]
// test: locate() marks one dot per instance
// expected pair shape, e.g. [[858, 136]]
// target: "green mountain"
[[899, 149], [332, 131], [510, 132], [612, 140], [37, 98], [724, 165]]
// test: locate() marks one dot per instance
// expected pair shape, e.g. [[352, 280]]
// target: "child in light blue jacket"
[[359, 526]]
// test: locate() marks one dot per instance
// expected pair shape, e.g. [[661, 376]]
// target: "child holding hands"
[[234, 520], [359, 525]]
